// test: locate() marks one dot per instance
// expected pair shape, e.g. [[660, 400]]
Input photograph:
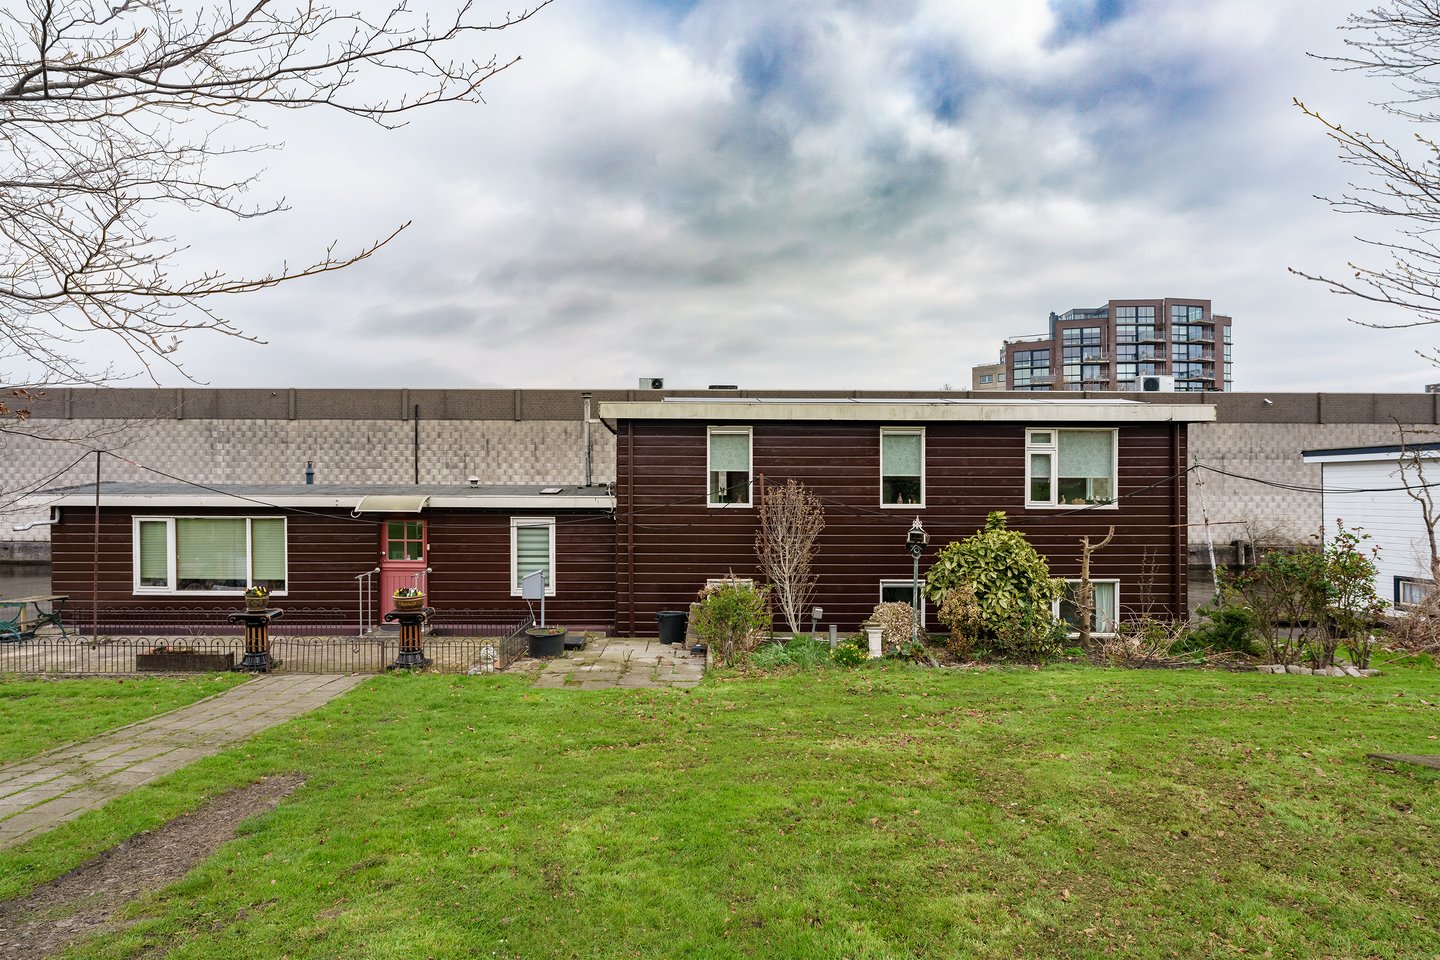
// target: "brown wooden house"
[[332, 555], [690, 473]]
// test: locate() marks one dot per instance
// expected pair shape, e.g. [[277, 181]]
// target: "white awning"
[[391, 504]]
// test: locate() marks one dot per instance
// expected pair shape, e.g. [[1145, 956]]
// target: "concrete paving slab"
[[626, 663], [60, 784]]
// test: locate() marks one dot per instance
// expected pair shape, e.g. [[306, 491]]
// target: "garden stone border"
[[1345, 670]]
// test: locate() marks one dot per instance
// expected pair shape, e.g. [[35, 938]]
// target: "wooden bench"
[[21, 617]]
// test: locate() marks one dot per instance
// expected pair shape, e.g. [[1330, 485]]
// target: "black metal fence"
[[166, 641]]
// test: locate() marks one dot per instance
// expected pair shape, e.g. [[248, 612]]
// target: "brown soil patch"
[[85, 900]]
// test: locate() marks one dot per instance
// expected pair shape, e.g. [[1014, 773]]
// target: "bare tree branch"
[[791, 519], [111, 111]]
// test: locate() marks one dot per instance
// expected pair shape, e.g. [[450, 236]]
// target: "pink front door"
[[402, 564]]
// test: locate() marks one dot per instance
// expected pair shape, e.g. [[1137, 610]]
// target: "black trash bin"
[[672, 626]]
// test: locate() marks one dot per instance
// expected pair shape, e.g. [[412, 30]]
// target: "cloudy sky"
[[822, 193]]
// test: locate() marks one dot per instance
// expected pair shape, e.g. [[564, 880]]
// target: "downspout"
[[630, 519], [416, 418], [585, 435], [1177, 558]]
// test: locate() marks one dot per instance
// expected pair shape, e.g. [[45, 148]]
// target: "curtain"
[[729, 453], [1086, 453], [900, 454]]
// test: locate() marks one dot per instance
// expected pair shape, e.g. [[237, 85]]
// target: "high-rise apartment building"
[[1118, 346]]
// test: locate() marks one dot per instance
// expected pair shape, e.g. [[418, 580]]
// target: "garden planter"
[[183, 661], [546, 641], [257, 604], [410, 604]]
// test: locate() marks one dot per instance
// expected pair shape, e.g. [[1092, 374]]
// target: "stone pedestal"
[[257, 638], [412, 631]]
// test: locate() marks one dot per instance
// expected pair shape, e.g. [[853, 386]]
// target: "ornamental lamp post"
[[915, 541]]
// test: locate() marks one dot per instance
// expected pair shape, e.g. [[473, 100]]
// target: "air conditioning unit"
[[652, 383], [1157, 384]]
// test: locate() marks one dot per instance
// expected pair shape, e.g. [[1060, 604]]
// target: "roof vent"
[[724, 386], [550, 490]]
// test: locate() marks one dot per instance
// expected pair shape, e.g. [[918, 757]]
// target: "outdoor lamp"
[[916, 540]]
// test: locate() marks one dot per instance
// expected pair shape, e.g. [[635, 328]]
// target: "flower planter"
[[183, 661], [409, 604], [546, 641], [257, 604]]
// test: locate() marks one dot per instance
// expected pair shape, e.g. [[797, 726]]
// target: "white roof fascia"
[[901, 411], [172, 501]]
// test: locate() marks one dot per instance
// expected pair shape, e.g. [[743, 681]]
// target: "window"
[[1106, 613], [987, 378], [405, 540], [902, 591], [532, 547], [1410, 591], [902, 467], [729, 467], [1069, 467], [1029, 366], [221, 555]]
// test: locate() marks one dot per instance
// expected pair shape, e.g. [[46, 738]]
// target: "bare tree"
[[1085, 608], [791, 519], [1398, 41], [113, 113]]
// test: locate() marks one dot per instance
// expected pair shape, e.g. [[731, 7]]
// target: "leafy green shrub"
[[1229, 627], [730, 617], [848, 655], [995, 594]]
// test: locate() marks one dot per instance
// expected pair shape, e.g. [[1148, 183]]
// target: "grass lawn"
[[36, 715], [880, 813]]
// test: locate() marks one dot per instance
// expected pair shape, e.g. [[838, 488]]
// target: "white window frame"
[[170, 588], [908, 583], [905, 431], [1055, 607], [1402, 582], [515, 524], [749, 433], [1053, 449]]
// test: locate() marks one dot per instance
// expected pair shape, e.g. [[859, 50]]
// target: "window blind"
[[154, 554], [267, 551], [1086, 453], [730, 452], [210, 549], [900, 454], [532, 552]]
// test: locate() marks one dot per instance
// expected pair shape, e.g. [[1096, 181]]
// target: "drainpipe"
[[417, 444], [585, 435]]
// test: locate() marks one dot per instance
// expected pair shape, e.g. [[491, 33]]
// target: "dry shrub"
[[897, 622], [960, 611], [1146, 641], [1417, 630]]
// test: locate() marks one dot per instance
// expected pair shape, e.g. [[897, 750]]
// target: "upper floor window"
[[209, 554], [902, 466], [729, 466], [1069, 467]]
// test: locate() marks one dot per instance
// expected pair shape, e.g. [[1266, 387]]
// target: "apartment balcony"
[[1030, 338], [1042, 378], [1202, 338]]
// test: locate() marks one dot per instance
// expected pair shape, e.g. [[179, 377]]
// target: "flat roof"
[[401, 498], [902, 410]]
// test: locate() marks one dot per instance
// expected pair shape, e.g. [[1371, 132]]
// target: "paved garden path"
[[623, 662], [43, 791]]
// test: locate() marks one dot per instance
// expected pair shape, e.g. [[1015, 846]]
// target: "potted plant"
[[409, 599], [257, 599], [546, 641]]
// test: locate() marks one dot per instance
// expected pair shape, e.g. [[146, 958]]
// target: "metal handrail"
[[363, 584]]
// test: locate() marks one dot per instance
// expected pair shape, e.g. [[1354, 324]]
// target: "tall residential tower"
[[1117, 347]]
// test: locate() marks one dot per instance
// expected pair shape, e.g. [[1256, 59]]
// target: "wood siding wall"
[[668, 541], [469, 557]]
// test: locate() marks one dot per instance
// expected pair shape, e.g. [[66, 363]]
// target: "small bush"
[[1229, 627], [730, 617], [808, 652], [848, 655], [768, 656]]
